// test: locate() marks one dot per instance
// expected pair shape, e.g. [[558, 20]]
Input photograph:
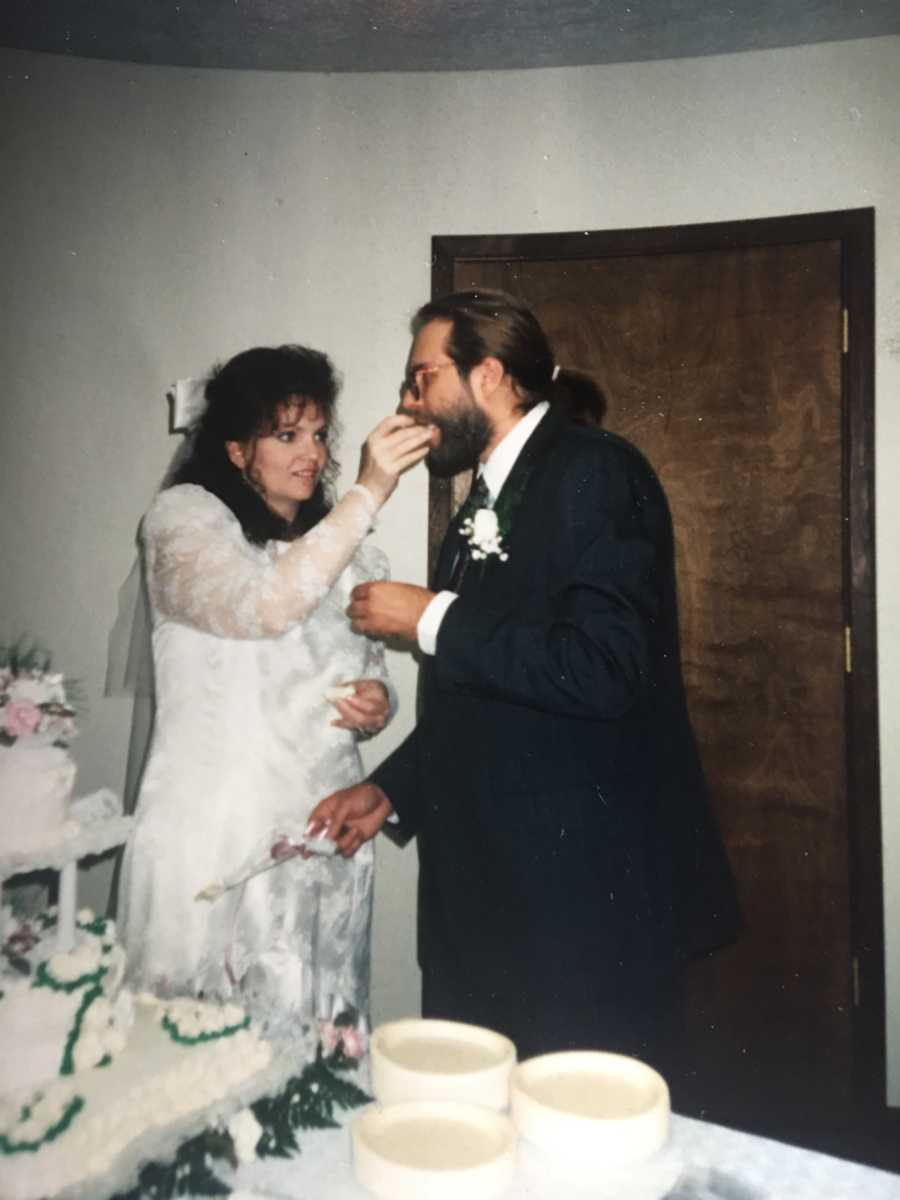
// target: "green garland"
[[9, 1146], [195, 1040], [67, 1066], [97, 927], [43, 978], [308, 1101]]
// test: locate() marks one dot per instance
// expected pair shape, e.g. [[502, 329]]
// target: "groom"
[[568, 859]]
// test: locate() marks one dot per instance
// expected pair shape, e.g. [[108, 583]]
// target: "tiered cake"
[[65, 1013], [94, 1082], [36, 723], [98, 1081]]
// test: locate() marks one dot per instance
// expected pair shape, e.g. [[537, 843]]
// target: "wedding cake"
[[62, 1014], [102, 1091], [94, 1082], [96, 1079]]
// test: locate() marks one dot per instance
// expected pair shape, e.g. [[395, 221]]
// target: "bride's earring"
[[238, 459]]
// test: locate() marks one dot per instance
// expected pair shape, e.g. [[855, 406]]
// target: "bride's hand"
[[394, 445], [367, 710]]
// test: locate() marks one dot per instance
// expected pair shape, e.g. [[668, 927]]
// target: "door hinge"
[[845, 330], [854, 974], [848, 650]]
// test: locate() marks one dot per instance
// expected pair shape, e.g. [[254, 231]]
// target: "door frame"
[[855, 230]]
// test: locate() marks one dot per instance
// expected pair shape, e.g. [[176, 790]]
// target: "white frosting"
[[245, 1133], [156, 1081], [38, 1020], [35, 790]]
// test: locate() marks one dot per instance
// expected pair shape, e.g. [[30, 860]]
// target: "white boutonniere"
[[482, 532]]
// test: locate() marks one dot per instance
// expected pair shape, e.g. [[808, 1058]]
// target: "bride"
[[248, 570]]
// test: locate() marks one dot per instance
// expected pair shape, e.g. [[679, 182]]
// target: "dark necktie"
[[477, 498]]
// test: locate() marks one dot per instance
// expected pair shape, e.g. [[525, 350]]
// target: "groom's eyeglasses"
[[412, 380]]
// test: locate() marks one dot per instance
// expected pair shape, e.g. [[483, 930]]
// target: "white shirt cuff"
[[430, 621]]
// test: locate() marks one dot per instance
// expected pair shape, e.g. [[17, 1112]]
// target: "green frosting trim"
[[9, 1146], [213, 1035], [68, 1059], [97, 926], [43, 978]]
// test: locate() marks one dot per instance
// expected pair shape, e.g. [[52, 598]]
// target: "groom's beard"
[[465, 433]]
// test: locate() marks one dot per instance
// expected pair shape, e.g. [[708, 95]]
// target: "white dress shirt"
[[495, 472]]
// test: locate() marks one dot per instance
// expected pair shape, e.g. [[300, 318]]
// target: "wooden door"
[[726, 365]]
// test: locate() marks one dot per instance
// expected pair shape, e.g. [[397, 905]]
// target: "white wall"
[[154, 220]]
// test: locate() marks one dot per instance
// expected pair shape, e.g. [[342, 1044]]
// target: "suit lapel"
[[512, 495], [451, 546], [513, 505], [535, 449]]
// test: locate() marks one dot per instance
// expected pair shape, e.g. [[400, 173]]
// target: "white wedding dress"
[[246, 641]]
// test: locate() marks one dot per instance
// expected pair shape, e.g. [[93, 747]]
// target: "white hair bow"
[[187, 401]]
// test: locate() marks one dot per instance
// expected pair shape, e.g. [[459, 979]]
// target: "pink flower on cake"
[[20, 718], [354, 1042], [330, 1036], [346, 1039], [33, 704]]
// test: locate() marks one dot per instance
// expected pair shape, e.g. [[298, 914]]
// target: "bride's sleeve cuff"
[[371, 502]]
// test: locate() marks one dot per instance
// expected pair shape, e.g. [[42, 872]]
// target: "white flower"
[[484, 525], [31, 688], [66, 968], [482, 531], [56, 688], [245, 1132]]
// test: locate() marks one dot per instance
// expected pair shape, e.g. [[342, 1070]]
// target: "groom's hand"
[[388, 609], [350, 816]]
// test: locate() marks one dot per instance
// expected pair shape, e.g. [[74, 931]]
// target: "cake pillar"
[[65, 929], [6, 918]]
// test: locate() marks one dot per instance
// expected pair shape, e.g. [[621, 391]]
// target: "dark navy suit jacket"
[[568, 857]]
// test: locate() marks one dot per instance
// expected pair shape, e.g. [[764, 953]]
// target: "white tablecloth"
[[732, 1166]]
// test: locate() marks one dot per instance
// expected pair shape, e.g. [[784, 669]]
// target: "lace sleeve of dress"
[[201, 570], [376, 663]]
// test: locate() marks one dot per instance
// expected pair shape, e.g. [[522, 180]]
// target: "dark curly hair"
[[244, 399]]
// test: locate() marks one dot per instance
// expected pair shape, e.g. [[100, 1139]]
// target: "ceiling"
[[428, 35]]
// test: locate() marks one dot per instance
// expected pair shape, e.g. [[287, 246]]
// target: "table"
[[738, 1166]]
